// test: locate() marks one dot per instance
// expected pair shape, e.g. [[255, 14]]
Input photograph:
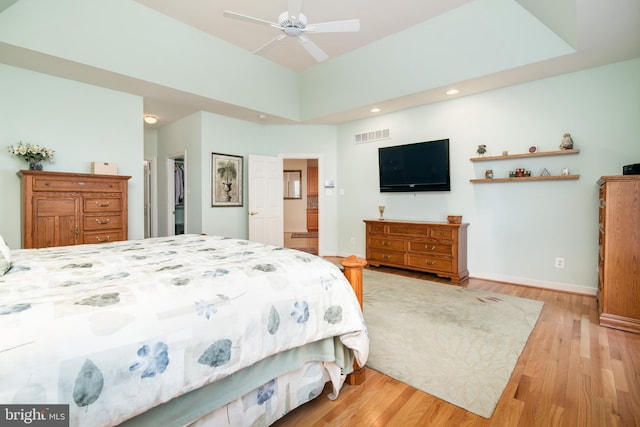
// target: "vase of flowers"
[[33, 154]]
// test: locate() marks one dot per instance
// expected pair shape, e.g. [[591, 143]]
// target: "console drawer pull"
[[105, 240], [429, 248], [386, 243], [103, 204], [430, 262], [106, 221]]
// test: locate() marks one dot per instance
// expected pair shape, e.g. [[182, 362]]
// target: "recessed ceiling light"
[[151, 120], [452, 91], [375, 110], [262, 116]]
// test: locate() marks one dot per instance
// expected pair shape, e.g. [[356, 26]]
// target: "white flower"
[[31, 152]]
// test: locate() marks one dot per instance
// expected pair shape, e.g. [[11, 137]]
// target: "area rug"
[[457, 344]]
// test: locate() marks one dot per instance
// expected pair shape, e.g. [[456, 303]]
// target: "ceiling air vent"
[[374, 135]]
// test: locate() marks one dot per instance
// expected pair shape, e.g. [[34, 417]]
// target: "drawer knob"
[[105, 240], [103, 204], [430, 262], [385, 243], [106, 221], [432, 248], [386, 256]]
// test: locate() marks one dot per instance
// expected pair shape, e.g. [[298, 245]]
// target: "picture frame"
[[533, 149], [226, 180]]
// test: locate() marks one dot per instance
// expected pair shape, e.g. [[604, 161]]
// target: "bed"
[[183, 330]]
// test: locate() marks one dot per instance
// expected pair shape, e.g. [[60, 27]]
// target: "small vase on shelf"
[[381, 210]]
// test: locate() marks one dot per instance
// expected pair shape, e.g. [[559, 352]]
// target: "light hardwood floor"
[[571, 373]]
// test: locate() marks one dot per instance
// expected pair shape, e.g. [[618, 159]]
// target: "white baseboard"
[[534, 283], [555, 286]]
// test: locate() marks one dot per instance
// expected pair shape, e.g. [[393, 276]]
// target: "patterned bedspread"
[[116, 329]]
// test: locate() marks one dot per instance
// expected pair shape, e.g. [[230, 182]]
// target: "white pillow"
[[5, 257]]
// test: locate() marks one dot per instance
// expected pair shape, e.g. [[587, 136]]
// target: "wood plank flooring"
[[572, 373]]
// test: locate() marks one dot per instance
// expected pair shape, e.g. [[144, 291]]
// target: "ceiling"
[[387, 17], [601, 32]]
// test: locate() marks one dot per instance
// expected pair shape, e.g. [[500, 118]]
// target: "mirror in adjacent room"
[[292, 184]]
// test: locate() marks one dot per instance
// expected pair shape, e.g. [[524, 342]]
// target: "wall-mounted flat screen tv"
[[421, 166]]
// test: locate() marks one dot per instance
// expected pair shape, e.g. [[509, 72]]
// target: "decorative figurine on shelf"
[[567, 142], [482, 149], [381, 210], [488, 174]]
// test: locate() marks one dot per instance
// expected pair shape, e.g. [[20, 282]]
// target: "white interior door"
[[266, 215]]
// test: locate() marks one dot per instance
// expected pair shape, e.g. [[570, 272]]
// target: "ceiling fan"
[[293, 23]]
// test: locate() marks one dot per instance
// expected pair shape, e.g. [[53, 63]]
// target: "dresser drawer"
[[386, 244], [74, 184], [430, 247], [386, 257], [102, 204], [441, 233], [429, 263], [102, 222], [375, 228], [408, 230], [103, 236]]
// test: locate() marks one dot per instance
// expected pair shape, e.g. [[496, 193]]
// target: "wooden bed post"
[[353, 272]]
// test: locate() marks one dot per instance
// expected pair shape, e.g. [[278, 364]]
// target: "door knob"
[[253, 213]]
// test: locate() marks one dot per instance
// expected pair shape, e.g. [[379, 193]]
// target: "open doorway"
[[301, 204], [177, 197]]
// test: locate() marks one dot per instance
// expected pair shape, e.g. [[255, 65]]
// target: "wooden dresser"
[[619, 254], [61, 209], [433, 247]]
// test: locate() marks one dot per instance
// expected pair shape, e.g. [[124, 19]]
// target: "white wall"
[[82, 123], [517, 229]]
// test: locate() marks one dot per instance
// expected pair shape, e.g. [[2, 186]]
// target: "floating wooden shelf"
[[522, 155], [525, 178]]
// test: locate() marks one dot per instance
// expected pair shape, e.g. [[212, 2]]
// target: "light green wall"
[[517, 229], [180, 139], [210, 133], [82, 123], [127, 38]]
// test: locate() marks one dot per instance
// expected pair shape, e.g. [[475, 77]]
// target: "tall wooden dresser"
[[619, 254], [432, 247], [61, 209]]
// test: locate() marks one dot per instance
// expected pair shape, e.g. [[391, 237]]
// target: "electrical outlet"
[[352, 240], [559, 262]]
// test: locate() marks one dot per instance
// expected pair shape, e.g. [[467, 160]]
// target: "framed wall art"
[[226, 180]]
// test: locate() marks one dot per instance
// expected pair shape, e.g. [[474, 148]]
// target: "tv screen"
[[422, 166]]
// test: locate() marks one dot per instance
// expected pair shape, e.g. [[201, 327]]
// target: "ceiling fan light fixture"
[[150, 120], [286, 21]]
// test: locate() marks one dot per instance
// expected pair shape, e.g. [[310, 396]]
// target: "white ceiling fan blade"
[[313, 49], [350, 25], [295, 7], [266, 46], [251, 19]]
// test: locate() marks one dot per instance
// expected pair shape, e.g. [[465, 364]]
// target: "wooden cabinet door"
[[55, 220], [312, 181], [312, 219]]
